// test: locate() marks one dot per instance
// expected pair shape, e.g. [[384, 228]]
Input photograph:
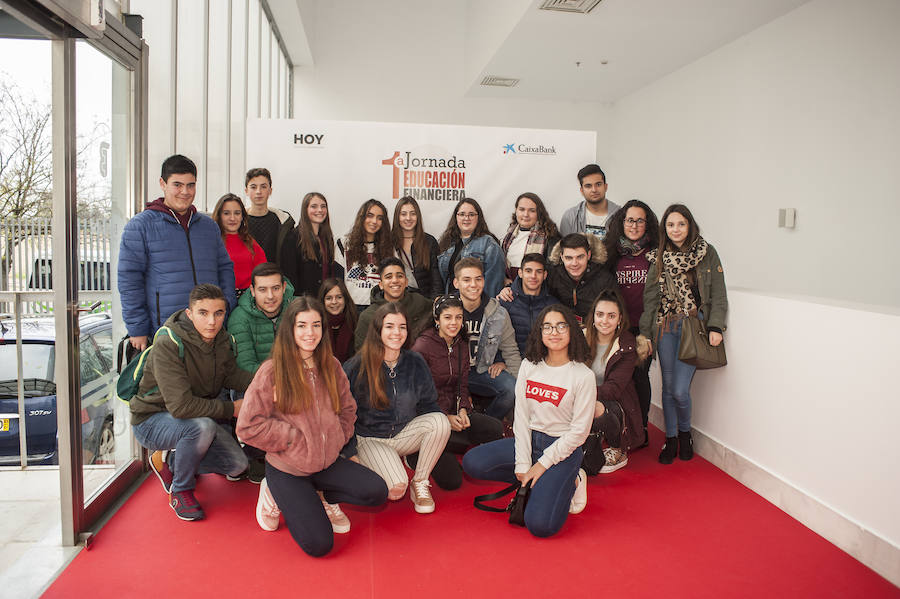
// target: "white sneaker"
[[340, 523], [421, 496], [267, 512], [579, 499], [615, 459]]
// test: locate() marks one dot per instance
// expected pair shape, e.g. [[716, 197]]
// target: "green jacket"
[[188, 387], [713, 296], [253, 332], [416, 306]]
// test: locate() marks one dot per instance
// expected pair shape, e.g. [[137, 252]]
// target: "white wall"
[[803, 112], [358, 76]]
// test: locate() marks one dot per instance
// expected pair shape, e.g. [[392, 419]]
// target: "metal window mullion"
[[65, 293]]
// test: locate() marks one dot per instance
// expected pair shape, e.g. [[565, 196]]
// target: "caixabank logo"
[[517, 148], [423, 177]]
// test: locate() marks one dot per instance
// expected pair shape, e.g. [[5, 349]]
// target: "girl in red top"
[[245, 253], [300, 411]]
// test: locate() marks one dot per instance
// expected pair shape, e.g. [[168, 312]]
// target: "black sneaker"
[[238, 477], [669, 450], [186, 505], [160, 466], [685, 445], [257, 470]]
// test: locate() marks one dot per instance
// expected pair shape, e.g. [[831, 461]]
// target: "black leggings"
[[641, 378], [344, 481], [447, 472]]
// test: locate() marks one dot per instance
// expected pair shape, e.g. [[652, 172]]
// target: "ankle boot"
[[685, 445], [667, 455]]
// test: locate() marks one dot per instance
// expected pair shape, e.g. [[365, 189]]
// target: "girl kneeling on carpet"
[[555, 398], [614, 353], [398, 413], [299, 410], [446, 351]]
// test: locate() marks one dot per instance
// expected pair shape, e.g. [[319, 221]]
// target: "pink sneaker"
[[267, 512], [340, 523]]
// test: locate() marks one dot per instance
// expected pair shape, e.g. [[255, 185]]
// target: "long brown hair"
[[544, 223], [451, 233], [294, 392], [243, 231], [372, 355], [419, 248], [664, 242], [355, 252], [305, 235], [350, 313], [535, 350], [590, 333]]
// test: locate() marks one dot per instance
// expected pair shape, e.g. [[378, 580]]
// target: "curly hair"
[[578, 350], [544, 223], [616, 227], [355, 252]]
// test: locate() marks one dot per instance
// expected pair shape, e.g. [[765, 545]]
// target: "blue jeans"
[[344, 481], [502, 388], [548, 503], [676, 382], [201, 446]]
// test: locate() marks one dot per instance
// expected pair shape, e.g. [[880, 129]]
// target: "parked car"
[[38, 362]]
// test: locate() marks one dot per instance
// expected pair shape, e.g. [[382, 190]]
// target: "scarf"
[[632, 248], [341, 337], [676, 298], [537, 239]]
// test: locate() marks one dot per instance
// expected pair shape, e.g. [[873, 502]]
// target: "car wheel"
[[106, 448]]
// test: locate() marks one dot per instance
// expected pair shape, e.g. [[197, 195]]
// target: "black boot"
[[685, 445], [646, 440], [667, 455]]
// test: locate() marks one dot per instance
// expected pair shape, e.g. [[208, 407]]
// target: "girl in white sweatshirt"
[[555, 394]]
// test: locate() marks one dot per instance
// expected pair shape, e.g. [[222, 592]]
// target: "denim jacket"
[[486, 249], [497, 333]]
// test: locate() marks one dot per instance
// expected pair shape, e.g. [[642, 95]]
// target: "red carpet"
[[686, 530]]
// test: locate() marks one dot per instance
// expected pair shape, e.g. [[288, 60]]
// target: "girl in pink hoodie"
[[300, 411]]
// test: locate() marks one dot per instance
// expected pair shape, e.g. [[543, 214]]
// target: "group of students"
[[366, 362]]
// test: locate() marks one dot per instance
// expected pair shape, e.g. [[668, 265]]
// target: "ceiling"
[[616, 49]]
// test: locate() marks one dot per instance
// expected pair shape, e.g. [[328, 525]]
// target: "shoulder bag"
[[516, 507]]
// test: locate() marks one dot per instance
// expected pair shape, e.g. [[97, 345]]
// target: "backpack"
[[130, 378]]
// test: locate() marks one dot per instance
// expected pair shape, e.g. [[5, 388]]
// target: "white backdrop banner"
[[350, 162]]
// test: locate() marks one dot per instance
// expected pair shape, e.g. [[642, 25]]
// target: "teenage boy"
[[529, 296], [493, 355], [165, 251], [273, 229], [578, 275], [178, 405], [394, 287], [591, 215], [255, 320]]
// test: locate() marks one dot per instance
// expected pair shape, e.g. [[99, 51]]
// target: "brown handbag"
[[695, 348]]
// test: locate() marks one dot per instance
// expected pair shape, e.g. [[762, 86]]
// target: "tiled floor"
[[31, 551]]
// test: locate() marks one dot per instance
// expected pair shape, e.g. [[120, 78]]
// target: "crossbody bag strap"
[[479, 501]]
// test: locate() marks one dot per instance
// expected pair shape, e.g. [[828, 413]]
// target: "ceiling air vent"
[[500, 81], [580, 6]]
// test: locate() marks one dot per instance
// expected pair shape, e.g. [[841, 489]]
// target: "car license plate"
[[4, 425]]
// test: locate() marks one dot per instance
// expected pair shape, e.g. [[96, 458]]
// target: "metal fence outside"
[[26, 261]]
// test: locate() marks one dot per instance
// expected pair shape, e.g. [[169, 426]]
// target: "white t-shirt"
[[516, 250], [595, 225], [556, 400]]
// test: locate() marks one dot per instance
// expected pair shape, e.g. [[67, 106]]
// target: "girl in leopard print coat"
[[685, 278]]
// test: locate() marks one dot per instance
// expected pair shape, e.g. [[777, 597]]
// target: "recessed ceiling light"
[[575, 6], [500, 81]]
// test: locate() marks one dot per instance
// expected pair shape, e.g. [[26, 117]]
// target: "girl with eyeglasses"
[[467, 234], [555, 398], [299, 410], [685, 278], [617, 414], [445, 348], [632, 232]]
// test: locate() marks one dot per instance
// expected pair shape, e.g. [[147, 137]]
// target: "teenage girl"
[[315, 245], [416, 249], [300, 411], [555, 398], [243, 250], [363, 249], [342, 317]]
